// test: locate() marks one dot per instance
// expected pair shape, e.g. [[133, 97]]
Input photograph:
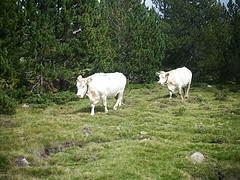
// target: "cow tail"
[[127, 83]]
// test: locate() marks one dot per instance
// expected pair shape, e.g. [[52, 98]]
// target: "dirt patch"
[[195, 99], [60, 148], [68, 144], [217, 171], [217, 140], [7, 123]]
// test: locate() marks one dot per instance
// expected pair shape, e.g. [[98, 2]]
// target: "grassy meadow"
[[150, 137]]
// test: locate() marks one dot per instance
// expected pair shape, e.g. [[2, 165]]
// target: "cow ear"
[[167, 74], [89, 80]]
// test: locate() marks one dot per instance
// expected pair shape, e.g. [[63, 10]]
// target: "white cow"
[[100, 86], [179, 78]]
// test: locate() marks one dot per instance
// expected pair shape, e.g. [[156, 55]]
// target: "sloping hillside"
[[150, 137]]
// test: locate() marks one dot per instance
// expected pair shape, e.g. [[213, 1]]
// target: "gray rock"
[[25, 106], [87, 131], [197, 157], [22, 161]]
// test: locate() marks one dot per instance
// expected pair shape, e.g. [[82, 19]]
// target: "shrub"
[[62, 97], [7, 104], [37, 99], [57, 98]]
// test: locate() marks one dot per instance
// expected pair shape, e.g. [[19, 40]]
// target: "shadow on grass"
[[158, 97], [165, 98], [87, 109]]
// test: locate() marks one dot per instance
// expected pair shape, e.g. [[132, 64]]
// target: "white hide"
[[100, 86], [176, 79]]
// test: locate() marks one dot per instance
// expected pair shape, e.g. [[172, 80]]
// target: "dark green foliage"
[[47, 99], [62, 97], [7, 104], [37, 99], [125, 43], [202, 36], [233, 61]]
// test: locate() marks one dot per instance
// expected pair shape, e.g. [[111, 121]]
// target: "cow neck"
[[166, 82], [87, 88]]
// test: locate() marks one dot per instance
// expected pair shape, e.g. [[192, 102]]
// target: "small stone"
[[209, 86], [143, 133], [87, 131], [197, 157], [25, 106], [22, 161]]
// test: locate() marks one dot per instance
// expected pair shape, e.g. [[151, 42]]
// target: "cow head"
[[82, 86], [163, 77]]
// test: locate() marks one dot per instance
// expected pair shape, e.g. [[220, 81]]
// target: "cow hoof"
[[115, 108], [92, 114]]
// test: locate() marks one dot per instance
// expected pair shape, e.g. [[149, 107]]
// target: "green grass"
[[150, 137]]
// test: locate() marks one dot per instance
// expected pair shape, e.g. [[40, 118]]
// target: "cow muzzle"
[[79, 95], [160, 83]]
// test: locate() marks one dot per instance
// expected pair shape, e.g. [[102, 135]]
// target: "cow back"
[[109, 84], [180, 77]]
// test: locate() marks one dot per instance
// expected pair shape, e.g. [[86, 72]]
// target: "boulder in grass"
[[87, 131], [22, 161], [197, 157]]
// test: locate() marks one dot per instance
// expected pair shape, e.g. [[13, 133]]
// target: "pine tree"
[[233, 56], [197, 36]]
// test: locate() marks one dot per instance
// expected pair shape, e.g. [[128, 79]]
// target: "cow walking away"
[[177, 79], [100, 86]]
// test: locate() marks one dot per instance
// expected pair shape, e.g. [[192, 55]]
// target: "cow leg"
[[119, 101], [92, 110], [180, 92], [184, 91], [170, 94], [116, 105], [104, 98], [120, 97], [189, 84]]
